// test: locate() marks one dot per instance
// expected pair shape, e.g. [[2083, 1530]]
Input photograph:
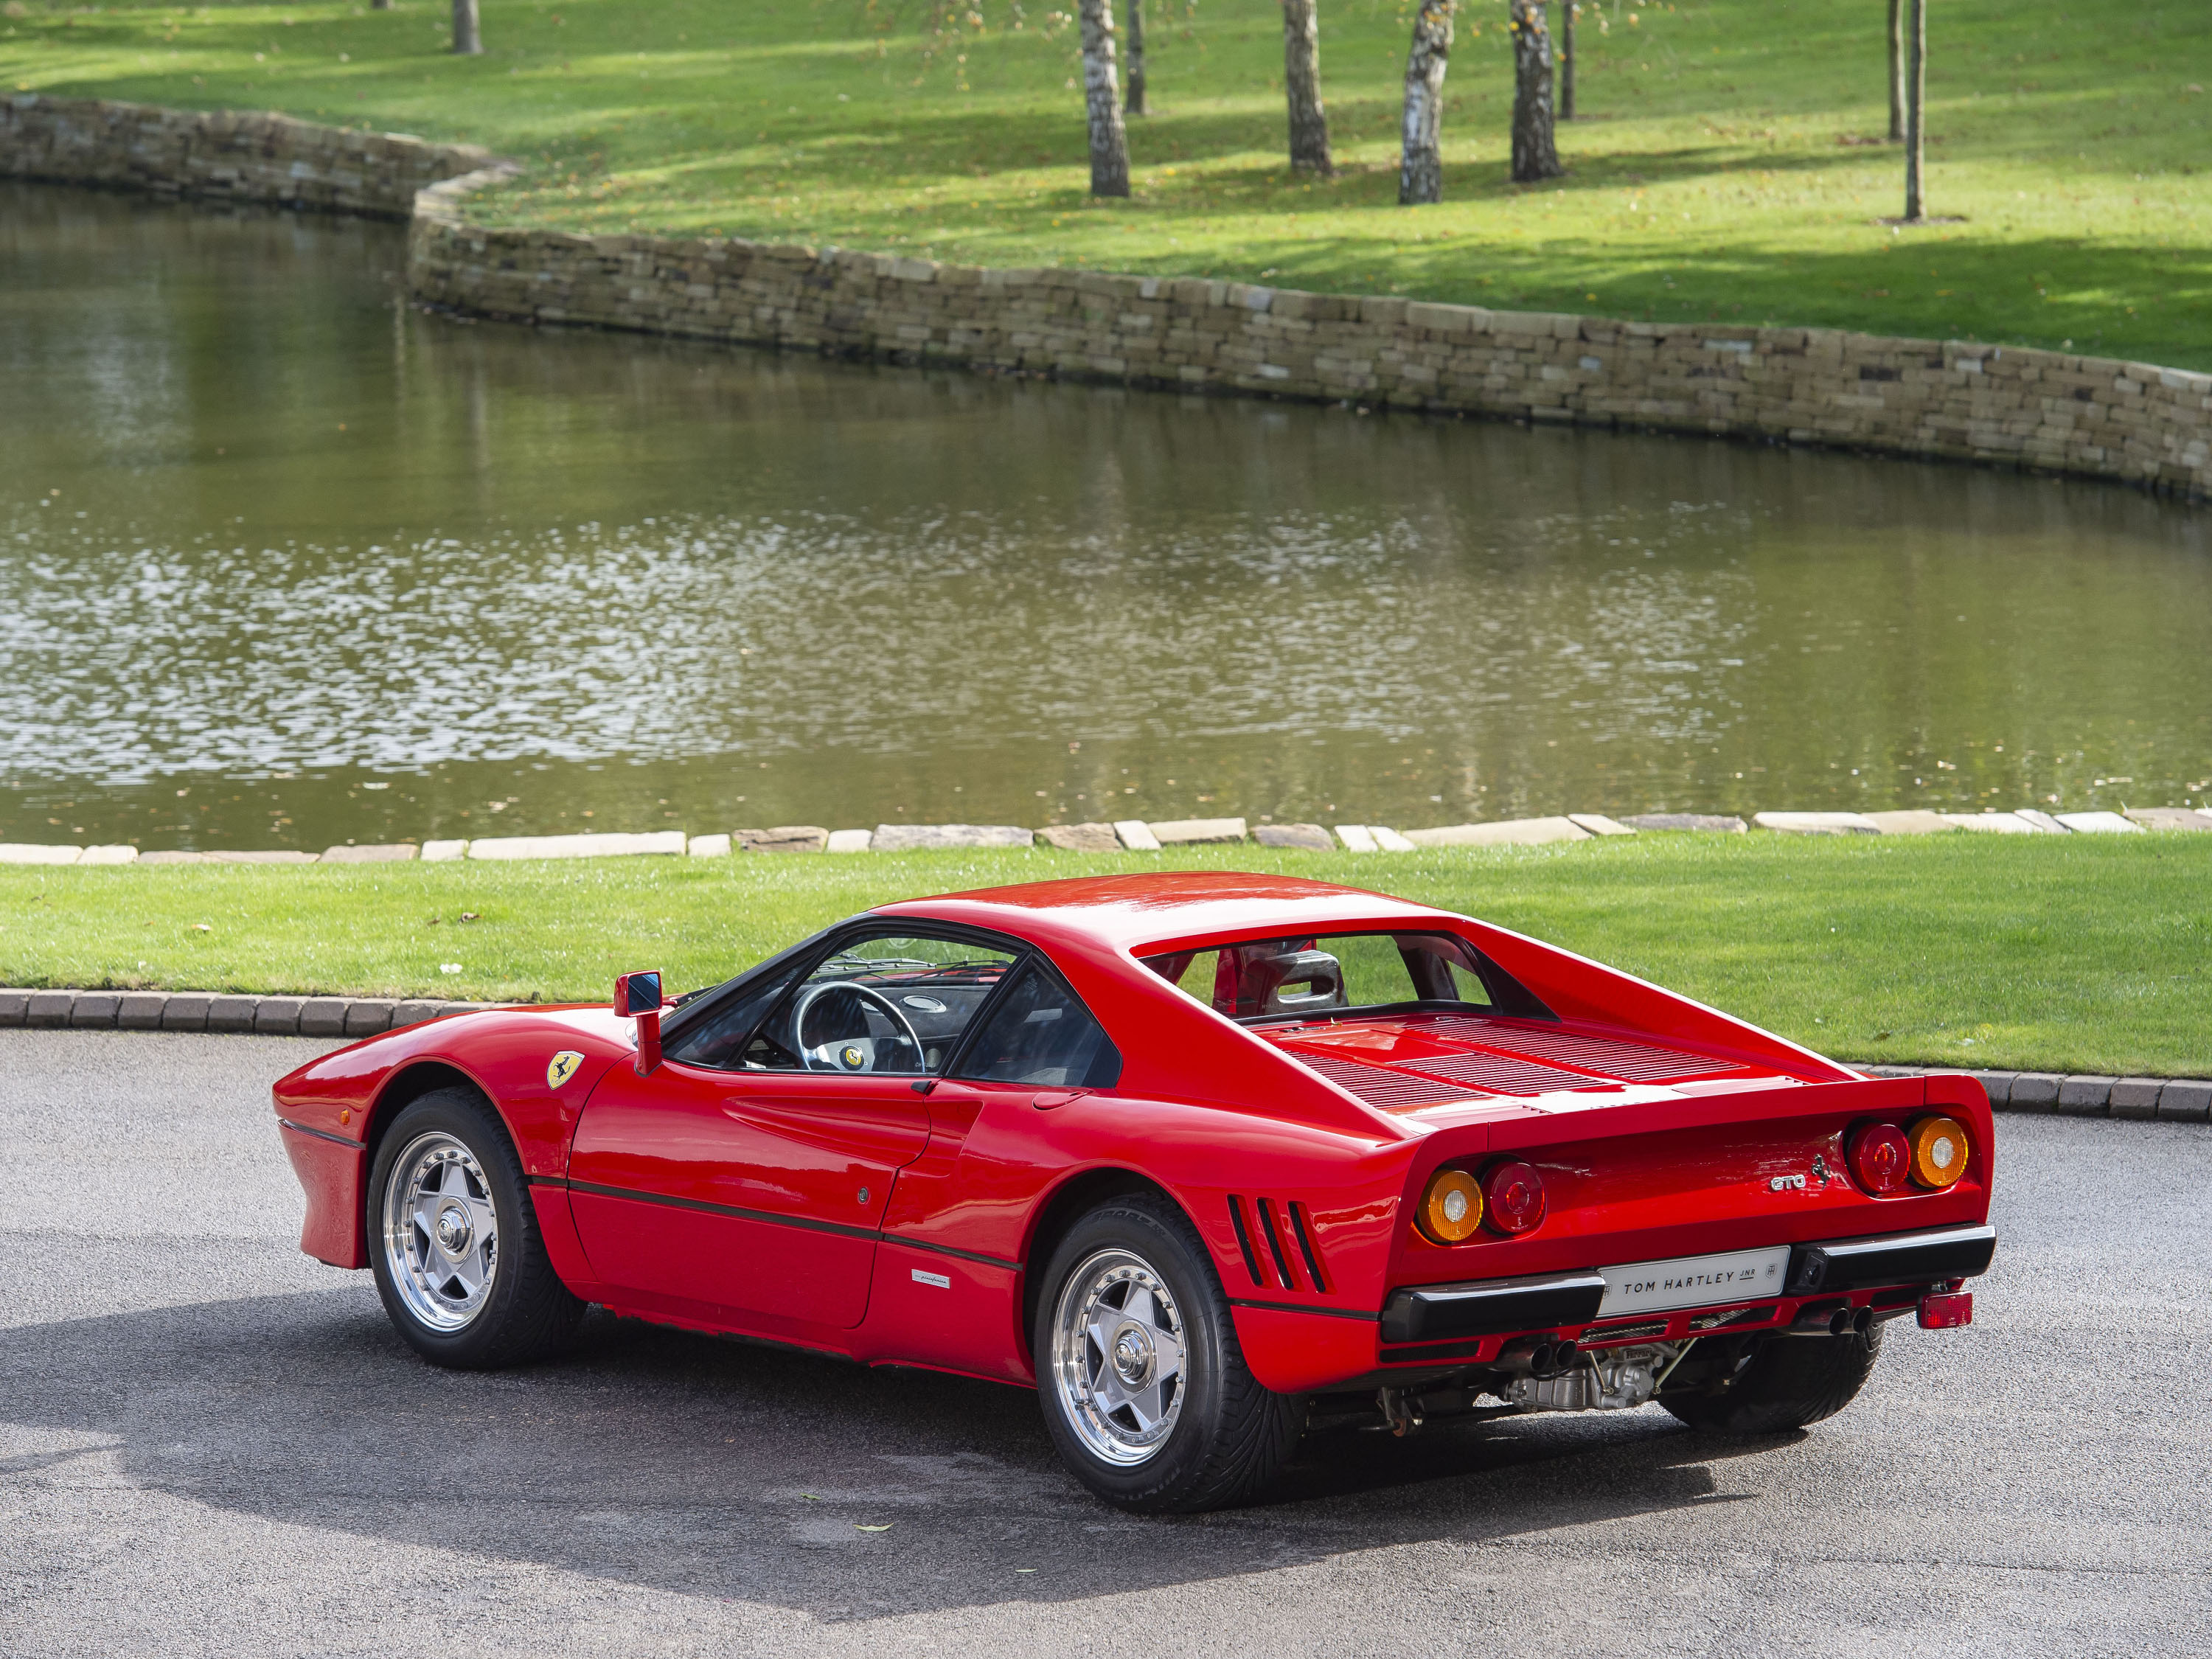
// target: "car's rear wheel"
[[1785, 1384], [1143, 1384], [453, 1239]]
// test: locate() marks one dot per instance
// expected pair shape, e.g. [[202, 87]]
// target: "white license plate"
[[1693, 1281]]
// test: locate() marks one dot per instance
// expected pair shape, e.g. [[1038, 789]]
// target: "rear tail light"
[[1881, 1158], [1947, 1311], [1515, 1197], [1939, 1151], [1451, 1208]]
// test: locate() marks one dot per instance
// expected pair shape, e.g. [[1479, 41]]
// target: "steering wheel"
[[859, 1054]]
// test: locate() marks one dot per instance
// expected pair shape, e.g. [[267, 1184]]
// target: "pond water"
[[284, 562]]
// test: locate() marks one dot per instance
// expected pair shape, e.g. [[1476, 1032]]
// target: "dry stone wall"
[[243, 156], [2002, 406]]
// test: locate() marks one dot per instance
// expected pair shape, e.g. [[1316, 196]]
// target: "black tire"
[[1788, 1382], [526, 1313], [1229, 1436]]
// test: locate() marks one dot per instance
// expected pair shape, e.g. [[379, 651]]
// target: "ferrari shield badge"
[[563, 1067]]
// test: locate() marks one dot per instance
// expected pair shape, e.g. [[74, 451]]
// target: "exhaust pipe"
[[1543, 1359], [1833, 1320]]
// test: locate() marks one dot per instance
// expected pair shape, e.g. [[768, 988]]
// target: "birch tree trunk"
[[1916, 106], [1110, 145], [1134, 103], [1302, 87], [1567, 9], [468, 41], [1534, 154], [1421, 173], [1896, 71]]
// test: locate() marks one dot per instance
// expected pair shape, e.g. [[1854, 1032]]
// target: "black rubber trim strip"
[[1244, 1241], [946, 1249], [805, 1223], [779, 1220], [1293, 1307], [323, 1134]]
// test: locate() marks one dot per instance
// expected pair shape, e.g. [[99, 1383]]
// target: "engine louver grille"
[[1632, 1062], [1379, 1087], [1496, 1074]]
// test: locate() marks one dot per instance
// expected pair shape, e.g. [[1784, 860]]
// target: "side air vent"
[[1277, 1237]]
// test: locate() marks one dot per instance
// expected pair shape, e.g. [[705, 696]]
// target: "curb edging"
[[2169, 1100]]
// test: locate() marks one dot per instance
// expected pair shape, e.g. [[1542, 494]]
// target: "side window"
[[888, 1003], [1042, 1035], [718, 1039]]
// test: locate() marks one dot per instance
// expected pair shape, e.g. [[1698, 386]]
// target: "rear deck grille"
[[1632, 1062], [1378, 1086], [1496, 1074]]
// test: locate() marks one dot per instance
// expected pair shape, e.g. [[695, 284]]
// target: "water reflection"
[[272, 540]]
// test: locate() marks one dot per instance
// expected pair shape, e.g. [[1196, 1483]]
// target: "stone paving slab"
[[784, 838], [849, 840], [1992, 823], [1135, 836], [394, 852], [920, 837], [1356, 838], [29, 853], [2170, 818], [1598, 824], [708, 846], [1081, 837], [2099, 824], [2042, 822], [661, 842], [1197, 832], [1913, 823], [1713, 823], [1817, 823], [1504, 832]]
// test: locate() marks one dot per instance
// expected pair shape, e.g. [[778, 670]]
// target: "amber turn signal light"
[[1939, 1151], [1451, 1209]]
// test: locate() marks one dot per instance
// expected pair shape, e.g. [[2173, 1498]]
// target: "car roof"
[[1165, 908]]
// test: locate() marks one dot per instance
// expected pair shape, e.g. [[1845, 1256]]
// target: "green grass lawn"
[[1716, 174], [2088, 954]]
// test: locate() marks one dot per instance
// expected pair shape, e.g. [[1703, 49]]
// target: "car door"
[[756, 1186]]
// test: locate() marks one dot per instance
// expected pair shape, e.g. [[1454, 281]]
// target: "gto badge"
[[562, 1068], [1786, 1183]]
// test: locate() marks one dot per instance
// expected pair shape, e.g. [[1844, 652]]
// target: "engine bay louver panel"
[[1606, 1057], [1497, 1074], [1379, 1086]]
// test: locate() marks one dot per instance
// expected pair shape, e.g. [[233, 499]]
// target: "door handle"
[[1046, 1100]]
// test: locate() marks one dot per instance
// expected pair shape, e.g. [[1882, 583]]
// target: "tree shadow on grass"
[[715, 1469]]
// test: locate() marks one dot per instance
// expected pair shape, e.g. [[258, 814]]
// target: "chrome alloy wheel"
[[440, 1233], [1118, 1356]]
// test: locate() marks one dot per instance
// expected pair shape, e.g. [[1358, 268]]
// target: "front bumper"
[[1551, 1301]]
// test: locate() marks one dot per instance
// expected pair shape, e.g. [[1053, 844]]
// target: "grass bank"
[[1723, 169], [2080, 955]]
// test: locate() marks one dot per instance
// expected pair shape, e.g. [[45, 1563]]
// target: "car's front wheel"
[[1143, 1384], [453, 1239], [1786, 1382]]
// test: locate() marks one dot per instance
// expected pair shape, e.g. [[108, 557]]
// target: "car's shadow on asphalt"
[[708, 1468]]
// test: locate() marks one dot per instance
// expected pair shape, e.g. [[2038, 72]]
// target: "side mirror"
[[637, 996], [637, 993]]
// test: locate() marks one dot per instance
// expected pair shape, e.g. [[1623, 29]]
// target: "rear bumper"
[[1836, 1265], [1550, 1302]]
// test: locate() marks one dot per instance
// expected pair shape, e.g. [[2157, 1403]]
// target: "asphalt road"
[[211, 1444]]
